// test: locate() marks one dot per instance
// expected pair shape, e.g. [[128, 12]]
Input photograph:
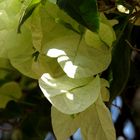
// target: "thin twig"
[[133, 48], [116, 106]]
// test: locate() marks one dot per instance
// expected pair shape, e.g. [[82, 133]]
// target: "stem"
[[133, 48]]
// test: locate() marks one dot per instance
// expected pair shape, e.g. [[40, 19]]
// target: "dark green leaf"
[[83, 11], [120, 67]]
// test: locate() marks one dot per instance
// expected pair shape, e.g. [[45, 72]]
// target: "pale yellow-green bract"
[[78, 59], [70, 96], [95, 123]]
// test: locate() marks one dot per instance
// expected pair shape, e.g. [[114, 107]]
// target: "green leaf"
[[92, 122], [68, 95], [26, 11], [83, 11], [9, 91], [120, 66]]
